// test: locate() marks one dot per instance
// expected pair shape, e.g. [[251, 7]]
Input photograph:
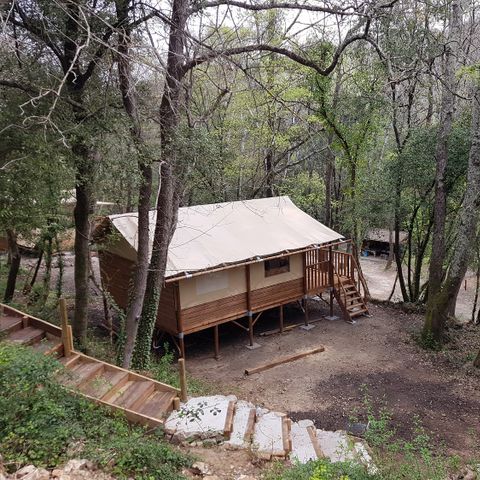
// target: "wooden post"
[[183, 379], [281, 318], [217, 342], [176, 403], [181, 341], [305, 307], [250, 328], [67, 338], [331, 279]]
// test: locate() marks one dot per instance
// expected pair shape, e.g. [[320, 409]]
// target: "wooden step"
[[135, 394], [49, 345], [355, 305], [356, 313], [26, 336], [10, 324], [70, 360], [104, 382], [157, 404], [82, 372], [354, 298]]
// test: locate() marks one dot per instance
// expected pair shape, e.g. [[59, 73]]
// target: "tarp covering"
[[209, 236]]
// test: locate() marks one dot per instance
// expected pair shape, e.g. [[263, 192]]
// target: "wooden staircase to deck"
[[140, 398], [336, 268], [349, 298]]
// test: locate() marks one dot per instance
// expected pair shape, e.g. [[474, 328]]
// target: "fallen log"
[[282, 360]]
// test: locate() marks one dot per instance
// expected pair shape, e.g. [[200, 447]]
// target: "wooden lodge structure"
[[235, 260]]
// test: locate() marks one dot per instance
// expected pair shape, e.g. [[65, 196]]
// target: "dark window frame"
[[276, 266]]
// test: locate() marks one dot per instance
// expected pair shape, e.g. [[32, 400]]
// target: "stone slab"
[[302, 447], [200, 418], [267, 441], [243, 423], [335, 445]]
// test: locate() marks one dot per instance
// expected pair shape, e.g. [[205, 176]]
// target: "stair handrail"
[[341, 285], [361, 278]]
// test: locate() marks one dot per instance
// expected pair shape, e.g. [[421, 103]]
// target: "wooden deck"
[[140, 398]]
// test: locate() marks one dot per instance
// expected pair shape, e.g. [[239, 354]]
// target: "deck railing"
[[325, 266]]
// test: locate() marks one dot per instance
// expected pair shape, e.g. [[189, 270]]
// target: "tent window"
[[276, 266]]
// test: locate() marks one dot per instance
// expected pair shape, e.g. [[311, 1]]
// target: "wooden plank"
[[26, 336], [134, 395], [157, 404], [133, 375], [312, 432], [10, 324], [283, 360], [103, 383], [229, 420]]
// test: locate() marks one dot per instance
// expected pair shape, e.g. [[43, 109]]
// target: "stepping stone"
[[270, 435], [243, 424], [202, 418], [305, 446], [335, 445]]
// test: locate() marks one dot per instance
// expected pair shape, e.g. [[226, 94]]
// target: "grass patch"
[[44, 424]]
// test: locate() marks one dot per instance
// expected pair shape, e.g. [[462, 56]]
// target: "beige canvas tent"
[[232, 260]]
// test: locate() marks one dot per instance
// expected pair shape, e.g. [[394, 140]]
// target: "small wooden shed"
[[232, 260]]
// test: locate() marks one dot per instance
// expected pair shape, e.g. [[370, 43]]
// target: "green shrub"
[[322, 469], [44, 424]]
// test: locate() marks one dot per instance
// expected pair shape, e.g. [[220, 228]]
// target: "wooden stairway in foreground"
[[349, 298], [140, 398]]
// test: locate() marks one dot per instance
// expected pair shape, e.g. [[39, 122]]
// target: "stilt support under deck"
[[307, 326], [217, 342], [181, 342], [281, 319], [251, 343]]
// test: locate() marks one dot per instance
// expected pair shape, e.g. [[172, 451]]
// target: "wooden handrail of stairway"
[[361, 278]]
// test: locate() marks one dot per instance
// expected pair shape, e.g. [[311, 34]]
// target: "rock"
[[211, 477], [43, 474], [245, 477], [29, 472], [57, 472], [200, 468], [82, 464]]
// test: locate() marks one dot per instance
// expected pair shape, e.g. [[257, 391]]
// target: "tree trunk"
[[130, 104], [476, 362], [168, 198], [444, 301], [81, 246], [14, 255], [435, 318]]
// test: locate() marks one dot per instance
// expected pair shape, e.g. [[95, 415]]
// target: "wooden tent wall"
[[116, 275]]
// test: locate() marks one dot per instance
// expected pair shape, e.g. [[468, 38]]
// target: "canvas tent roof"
[[210, 236]]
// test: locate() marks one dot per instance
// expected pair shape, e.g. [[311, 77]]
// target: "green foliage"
[[322, 469], [163, 369], [42, 423]]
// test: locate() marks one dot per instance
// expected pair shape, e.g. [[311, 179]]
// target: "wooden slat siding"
[[275, 295], [211, 313], [167, 316], [116, 274]]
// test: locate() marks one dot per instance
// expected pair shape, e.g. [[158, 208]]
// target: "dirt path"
[[380, 283], [376, 356]]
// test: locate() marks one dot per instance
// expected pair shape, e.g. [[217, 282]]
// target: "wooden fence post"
[[183, 380], [67, 337]]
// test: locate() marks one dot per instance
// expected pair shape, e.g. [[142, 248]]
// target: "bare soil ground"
[[377, 356]]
